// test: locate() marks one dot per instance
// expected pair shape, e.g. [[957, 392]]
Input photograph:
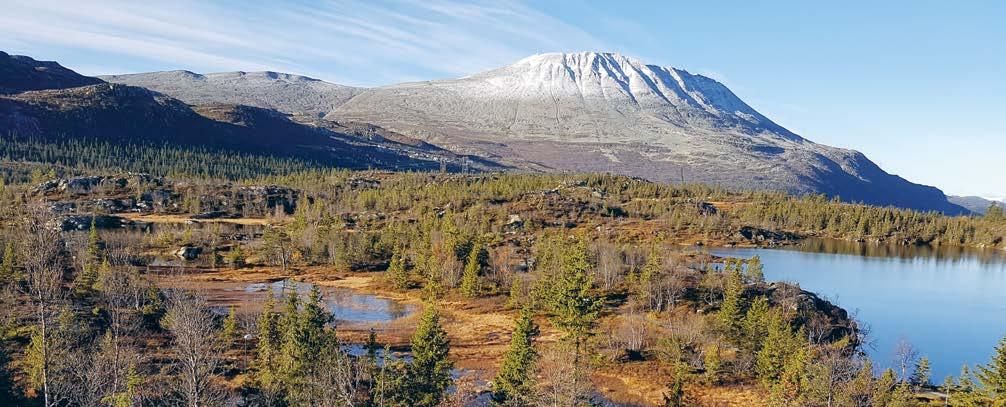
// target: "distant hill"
[[20, 73], [975, 204], [293, 94], [116, 113], [587, 111]]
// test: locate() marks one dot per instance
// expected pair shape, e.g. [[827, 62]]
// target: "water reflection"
[[867, 249], [948, 302], [345, 305]]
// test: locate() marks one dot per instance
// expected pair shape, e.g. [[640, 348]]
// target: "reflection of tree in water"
[[398, 310], [902, 251]]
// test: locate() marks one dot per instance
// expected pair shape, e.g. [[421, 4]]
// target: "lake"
[[950, 303]]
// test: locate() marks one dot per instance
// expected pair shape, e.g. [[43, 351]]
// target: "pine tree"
[[230, 330], [574, 306], [644, 281], [515, 380], [987, 382], [397, 272], [884, 388], [473, 267], [780, 343], [430, 371], [236, 257], [755, 271], [755, 325], [920, 376], [675, 394], [270, 340], [731, 314], [792, 383], [712, 361], [516, 298]]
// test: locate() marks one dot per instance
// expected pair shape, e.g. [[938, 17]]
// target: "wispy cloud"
[[355, 42]]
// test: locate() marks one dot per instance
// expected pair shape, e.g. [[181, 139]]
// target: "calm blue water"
[[949, 304]]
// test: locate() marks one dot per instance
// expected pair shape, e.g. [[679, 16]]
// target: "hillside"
[[975, 204], [19, 73], [120, 114], [286, 93], [599, 112]]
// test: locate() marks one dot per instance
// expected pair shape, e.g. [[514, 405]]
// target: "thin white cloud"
[[352, 41]]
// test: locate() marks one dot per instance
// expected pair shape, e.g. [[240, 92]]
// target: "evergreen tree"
[[675, 394], [516, 298], [270, 340], [883, 389], [986, 386], [236, 257], [644, 281], [920, 376], [779, 344], [397, 272], [230, 330], [473, 267], [755, 325], [731, 314], [515, 381], [792, 384], [755, 271], [430, 372], [574, 306]]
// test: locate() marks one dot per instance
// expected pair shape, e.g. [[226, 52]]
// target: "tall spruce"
[[515, 381], [270, 340], [397, 273], [473, 268], [429, 374]]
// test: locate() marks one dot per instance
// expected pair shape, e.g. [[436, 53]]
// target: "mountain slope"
[[606, 112], [581, 112], [975, 204], [121, 114], [287, 93], [20, 73]]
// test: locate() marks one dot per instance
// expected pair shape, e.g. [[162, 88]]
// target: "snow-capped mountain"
[[592, 111]]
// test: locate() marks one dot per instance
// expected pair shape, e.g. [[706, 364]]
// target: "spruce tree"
[[755, 271], [731, 314], [884, 388], [574, 306], [755, 325], [429, 374], [270, 340], [779, 344], [397, 272], [473, 267], [989, 381], [920, 376], [230, 330], [515, 381]]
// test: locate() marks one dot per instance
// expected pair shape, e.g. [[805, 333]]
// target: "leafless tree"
[[197, 349], [334, 380], [501, 272], [609, 265], [41, 254], [561, 383], [905, 356]]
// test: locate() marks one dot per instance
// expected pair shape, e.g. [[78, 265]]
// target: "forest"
[[556, 290]]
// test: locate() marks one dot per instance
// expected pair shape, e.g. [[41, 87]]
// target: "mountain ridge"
[[603, 112]]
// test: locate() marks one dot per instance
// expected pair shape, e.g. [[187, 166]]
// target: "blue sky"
[[916, 85]]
